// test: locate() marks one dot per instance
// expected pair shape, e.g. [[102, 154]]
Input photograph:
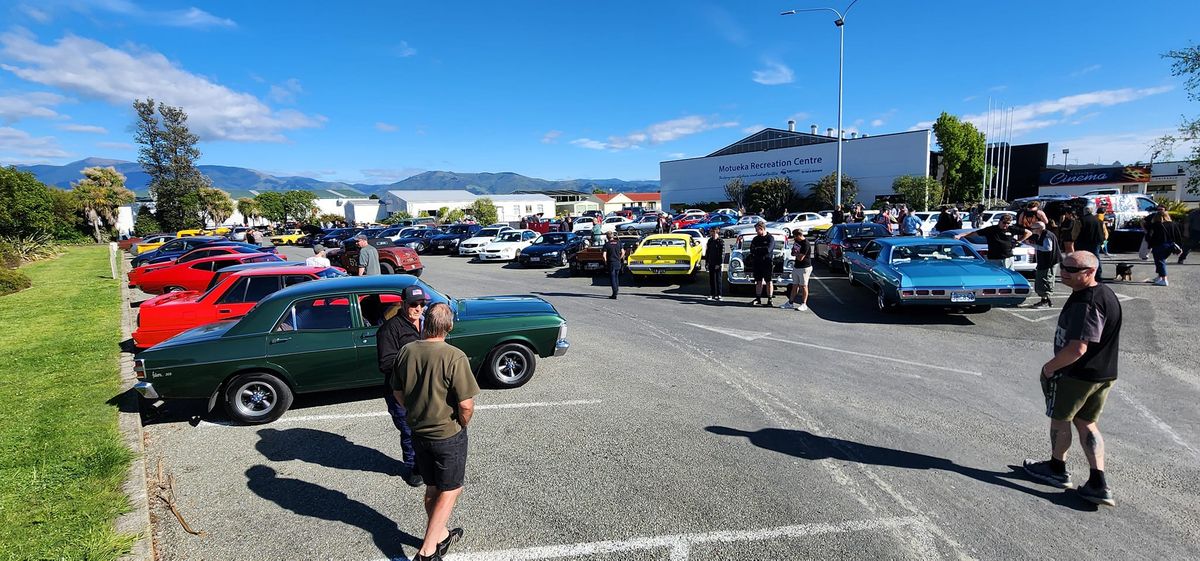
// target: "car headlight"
[[551, 254], [735, 264]]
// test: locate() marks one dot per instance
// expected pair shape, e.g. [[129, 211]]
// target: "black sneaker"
[[1041, 305], [1041, 471], [1097, 495], [444, 545], [434, 557]]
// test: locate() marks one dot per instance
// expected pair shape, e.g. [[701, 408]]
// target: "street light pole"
[[840, 22]]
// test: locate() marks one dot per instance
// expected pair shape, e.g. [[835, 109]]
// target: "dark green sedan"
[[319, 336]]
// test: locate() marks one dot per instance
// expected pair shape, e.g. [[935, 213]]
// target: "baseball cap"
[[413, 294], [360, 237]]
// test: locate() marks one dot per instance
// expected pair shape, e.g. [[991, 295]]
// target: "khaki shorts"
[[800, 276], [1068, 399]]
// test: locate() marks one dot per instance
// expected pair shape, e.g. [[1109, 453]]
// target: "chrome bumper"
[[146, 389], [561, 347]]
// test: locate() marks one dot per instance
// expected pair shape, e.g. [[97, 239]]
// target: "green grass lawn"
[[62, 460]]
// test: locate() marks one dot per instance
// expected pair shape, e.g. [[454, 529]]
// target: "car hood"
[[488, 307], [441, 237], [951, 273], [507, 245], [477, 239], [543, 248], [200, 334]]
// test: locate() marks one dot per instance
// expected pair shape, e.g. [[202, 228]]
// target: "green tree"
[[373, 196], [215, 205], [300, 205], [248, 209], [26, 205], [99, 194], [330, 218], [453, 216], [769, 196], [962, 158], [168, 155], [145, 223], [1185, 62], [598, 191], [736, 191], [920, 192], [484, 210], [271, 206], [824, 192], [395, 218]]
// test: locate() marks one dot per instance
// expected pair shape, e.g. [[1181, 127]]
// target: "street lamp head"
[[839, 22], [788, 13]]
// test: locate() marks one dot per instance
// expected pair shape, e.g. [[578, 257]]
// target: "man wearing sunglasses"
[[399, 330], [1076, 381]]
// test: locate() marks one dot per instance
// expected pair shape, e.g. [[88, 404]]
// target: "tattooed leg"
[[1093, 443]]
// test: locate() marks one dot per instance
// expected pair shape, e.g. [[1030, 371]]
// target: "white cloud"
[[94, 70], [774, 74], [551, 137], [1128, 147], [285, 92], [656, 133], [190, 17], [389, 175], [754, 128], [13, 108], [92, 129], [115, 145], [883, 119], [386, 127], [725, 24], [877, 122], [1085, 70], [38, 15], [20, 144], [1042, 114], [404, 50], [677, 155]]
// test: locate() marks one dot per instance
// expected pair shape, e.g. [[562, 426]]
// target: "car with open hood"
[[741, 270], [320, 336], [507, 245], [666, 254], [553, 249]]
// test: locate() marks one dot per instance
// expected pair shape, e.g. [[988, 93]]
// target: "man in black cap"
[[399, 330]]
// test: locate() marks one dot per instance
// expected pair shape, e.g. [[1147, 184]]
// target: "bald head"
[[1081, 259]]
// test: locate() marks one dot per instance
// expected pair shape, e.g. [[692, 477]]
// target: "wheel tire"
[[257, 398], [387, 268], [882, 302], [415, 272], [850, 275], [420, 247], [510, 365]]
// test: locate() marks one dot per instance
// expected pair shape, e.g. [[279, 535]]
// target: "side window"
[[375, 308], [872, 251], [294, 279], [530, 235], [316, 314], [236, 293], [205, 266], [222, 263], [1146, 205], [260, 287]]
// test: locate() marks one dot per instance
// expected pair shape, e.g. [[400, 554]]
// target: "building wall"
[[874, 162], [365, 211], [512, 208], [398, 204]]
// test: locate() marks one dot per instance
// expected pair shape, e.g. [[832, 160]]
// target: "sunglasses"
[[421, 304], [1072, 269]]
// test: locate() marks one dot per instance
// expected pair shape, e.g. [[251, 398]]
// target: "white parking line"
[[484, 407], [830, 291], [679, 545], [1158, 423], [1015, 314]]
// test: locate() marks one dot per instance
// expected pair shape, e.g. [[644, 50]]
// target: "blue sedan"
[[717, 221], [910, 271]]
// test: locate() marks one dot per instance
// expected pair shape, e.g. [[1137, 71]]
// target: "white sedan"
[[472, 246], [743, 225], [507, 245], [803, 221], [583, 224], [610, 224]]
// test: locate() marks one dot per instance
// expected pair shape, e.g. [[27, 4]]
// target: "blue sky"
[[377, 91]]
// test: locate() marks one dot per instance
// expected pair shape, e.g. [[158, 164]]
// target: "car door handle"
[[280, 339], [368, 336], [224, 311]]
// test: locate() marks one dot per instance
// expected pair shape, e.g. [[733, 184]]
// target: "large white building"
[[415, 202], [512, 208], [873, 161]]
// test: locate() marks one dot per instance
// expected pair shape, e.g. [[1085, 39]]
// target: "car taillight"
[[139, 368]]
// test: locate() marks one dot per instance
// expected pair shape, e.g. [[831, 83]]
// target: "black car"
[[174, 249], [553, 248], [333, 238], [832, 245], [419, 240], [448, 240]]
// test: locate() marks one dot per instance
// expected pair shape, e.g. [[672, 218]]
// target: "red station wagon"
[[230, 296]]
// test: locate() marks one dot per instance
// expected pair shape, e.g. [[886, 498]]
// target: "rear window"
[[250, 289]]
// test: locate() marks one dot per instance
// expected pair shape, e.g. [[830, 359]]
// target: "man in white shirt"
[[318, 260]]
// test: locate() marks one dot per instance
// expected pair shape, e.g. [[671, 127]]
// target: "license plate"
[[967, 296], [534, 259], [593, 265], [656, 271]]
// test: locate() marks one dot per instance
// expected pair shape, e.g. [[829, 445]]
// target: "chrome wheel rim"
[[510, 366], [255, 399]]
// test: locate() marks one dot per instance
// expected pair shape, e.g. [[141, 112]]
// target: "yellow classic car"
[[291, 236], [150, 243], [190, 232], [218, 231], [666, 254]]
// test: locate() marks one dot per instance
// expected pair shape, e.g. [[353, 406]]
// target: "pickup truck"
[[392, 259]]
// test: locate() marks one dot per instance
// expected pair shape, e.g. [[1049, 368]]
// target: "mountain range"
[[243, 182]]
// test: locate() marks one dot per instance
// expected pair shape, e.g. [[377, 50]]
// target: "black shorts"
[[442, 463], [762, 272]]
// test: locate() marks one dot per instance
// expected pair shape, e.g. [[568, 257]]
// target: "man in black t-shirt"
[[762, 253], [397, 331], [1091, 235], [614, 258], [1077, 380], [1001, 239], [801, 271], [714, 257]]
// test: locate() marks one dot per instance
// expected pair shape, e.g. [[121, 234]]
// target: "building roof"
[[519, 197], [770, 139], [434, 196], [554, 193], [643, 197]]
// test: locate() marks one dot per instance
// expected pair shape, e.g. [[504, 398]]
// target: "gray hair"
[[439, 320], [1083, 259], [1039, 225]]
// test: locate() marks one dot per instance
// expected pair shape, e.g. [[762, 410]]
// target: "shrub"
[[33, 247], [12, 280], [26, 204], [145, 223], [9, 259]]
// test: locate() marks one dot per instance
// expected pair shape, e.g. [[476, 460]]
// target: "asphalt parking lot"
[[677, 429]]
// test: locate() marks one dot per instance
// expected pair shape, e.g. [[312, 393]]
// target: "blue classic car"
[[553, 248], [448, 240], [714, 221], [174, 249], [912, 271], [418, 240]]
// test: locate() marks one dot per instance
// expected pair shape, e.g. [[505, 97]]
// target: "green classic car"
[[319, 336]]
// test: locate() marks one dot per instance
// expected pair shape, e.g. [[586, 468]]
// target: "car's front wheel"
[[257, 398], [420, 247], [510, 365], [849, 275], [387, 268]]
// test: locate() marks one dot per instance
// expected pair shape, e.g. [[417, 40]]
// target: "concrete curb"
[[137, 520]]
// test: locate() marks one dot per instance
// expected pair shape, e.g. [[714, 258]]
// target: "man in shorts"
[[435, 383], [1077, 380], [801, 271], [762, 254]]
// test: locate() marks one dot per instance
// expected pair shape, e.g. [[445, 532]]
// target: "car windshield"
[[649, 219], [931, 252], [743, 241], [460, 229], [551, 239], [331, 273], [488, 233], [859, 231], [510, 237], [749, 219], [790, 217], [665, 242]]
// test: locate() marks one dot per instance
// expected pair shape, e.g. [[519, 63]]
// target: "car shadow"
[[325, 449], [310, 499], [571, 295], [864, 311], [193, 411], [807, 446]]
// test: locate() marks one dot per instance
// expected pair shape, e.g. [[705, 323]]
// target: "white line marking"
[[1016, 315], [827, 289], [740, 334], [485, 407], [680, 544], [1159, 423]]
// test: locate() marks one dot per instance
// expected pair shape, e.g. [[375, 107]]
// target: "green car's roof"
[[342, 284]]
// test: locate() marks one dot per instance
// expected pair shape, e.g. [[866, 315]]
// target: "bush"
[[12, 280], [145, 223], [33, 247], [26, 204], [9, 259]]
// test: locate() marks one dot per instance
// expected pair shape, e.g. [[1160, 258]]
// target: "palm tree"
[[249, 210], [215, 205], [100, 193]]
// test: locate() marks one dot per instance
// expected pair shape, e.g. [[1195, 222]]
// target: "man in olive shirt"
[[368, 257], [435, 383], [1076, 381]]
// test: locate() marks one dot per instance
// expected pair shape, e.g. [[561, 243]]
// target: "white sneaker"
[[717, 298], [708, 298], [1160, 282], [787, 306], [802, 308]]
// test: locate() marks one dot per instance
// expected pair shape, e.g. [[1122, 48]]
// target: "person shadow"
[[310, 499], [324, 448], [807, 446]]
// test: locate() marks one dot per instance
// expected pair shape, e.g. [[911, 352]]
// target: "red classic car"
[[196, 274], [393, 260], [686, 220], [230, 296], [136, 273]]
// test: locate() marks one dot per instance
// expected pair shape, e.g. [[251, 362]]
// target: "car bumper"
[[469, 250], [561, 347], [784, 279], [146, 389], [640, 269], [493, 257], [539, 260]]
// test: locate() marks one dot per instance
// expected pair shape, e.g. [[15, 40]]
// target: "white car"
[[743, 225], [993, 216], [697, 235], [610, 224], [507, 245], [803, 221], [472, 246], [583, 224], [741, 271], [729, 211]]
